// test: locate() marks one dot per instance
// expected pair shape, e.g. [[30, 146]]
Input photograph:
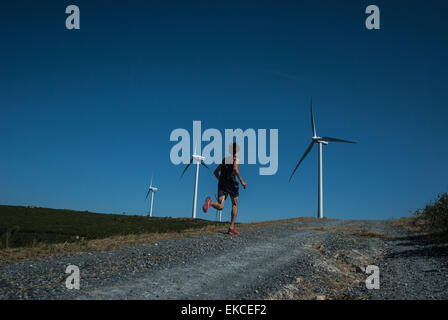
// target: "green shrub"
[[434, 217]]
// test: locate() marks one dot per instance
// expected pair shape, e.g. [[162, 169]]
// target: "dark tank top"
[[227, 172]]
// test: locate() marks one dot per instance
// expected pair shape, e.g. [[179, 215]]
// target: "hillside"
[[30, 226]]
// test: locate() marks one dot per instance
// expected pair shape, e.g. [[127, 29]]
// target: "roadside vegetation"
[[434, 217], [431, 221]]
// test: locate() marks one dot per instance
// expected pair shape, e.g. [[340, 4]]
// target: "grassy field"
[[33, 226]]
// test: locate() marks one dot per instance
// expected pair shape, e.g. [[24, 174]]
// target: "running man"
[[226, 174]]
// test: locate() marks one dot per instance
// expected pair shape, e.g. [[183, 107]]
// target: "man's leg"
[[234, 212], [220, 204]]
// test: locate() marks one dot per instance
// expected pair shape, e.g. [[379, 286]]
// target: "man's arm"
[[216, 172], [237, 172]]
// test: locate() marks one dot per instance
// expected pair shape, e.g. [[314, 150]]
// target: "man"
[[226, 173]]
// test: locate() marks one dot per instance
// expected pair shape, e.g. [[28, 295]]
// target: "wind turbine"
[[321, 141], [151, 190], [197, 159]]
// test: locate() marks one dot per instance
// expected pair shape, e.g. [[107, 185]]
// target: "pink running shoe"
[[207, 204], [233, 232]]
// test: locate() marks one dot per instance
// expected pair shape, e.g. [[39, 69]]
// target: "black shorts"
[[228, 187]]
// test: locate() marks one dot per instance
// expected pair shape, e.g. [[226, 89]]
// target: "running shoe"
[[207, 204], [233, 232]]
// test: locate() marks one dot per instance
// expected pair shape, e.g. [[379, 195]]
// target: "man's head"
[[234, 148]]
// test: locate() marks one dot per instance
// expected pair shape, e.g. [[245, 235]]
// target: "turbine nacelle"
[[319, 140], [151, 188], [198, 158]]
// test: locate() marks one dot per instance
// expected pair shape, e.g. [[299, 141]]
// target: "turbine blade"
[[183, 172], [303, 157], [147, 194], [313, 125], [330, 139], [194, 148], [202, 162], [150, 184]]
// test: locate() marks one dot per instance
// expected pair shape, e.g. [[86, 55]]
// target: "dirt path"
[[307, 260]]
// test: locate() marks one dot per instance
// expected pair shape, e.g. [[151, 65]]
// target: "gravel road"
[[312, 259]]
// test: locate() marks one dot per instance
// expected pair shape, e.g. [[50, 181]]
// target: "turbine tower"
[[320, 141], [197, 159], [151, 190]]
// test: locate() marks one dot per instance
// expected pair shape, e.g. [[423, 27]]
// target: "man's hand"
[[244, 184]]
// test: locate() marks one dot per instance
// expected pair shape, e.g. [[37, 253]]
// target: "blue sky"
[[86, 115]]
